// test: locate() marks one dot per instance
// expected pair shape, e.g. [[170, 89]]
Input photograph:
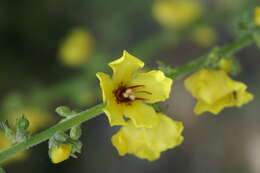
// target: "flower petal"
[[114, 113], [215, 90], [243, 97], [156, 83], [148, 143], [124, 67], [213, 108], [106, 85], [113, 110], [209, 85], [141, 114]]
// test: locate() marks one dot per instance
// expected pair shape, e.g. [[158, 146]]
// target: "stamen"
[[132, 97], [136, 86], [146, 92], [139, 98], [128, 91], [125, 94]]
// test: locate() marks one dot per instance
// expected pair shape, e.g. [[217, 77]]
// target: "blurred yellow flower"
[[176, 13], [257, 16], [226, 64], [4, 144], [61, 153], [204, 35], [76, 48], [215, 90], [128, 91], [148, 143], [37, 117]]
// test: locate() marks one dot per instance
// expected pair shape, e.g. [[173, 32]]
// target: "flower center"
[[125, 94]]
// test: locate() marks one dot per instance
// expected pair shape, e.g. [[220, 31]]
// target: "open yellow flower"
[[176, 13], [61, 153], [215, 90], [128, 90], [204, 35], [257, 16], [76, 48], [148, 143]]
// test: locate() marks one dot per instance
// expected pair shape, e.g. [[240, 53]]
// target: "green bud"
[[75, 132], [61, 136], [64, 111], [9, 133], [236, 67], [22, 123], [76, 146]]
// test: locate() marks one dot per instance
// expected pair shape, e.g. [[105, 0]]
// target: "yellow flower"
[[176, 13], [37, 117], [61, 153], [148, 143], [215, 90], [226, 64], [76, 48], [128, 90], [257, 16], [4, 144], [204, 35]]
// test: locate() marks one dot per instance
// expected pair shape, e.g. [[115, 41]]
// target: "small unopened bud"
[[75, 132], [60, 136], [9, 133], [64, 111], [22, 123], [60, 153]]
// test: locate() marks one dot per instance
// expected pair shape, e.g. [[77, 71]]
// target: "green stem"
[[200, 62], [45, 135]]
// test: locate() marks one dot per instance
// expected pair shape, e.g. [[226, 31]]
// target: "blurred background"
[[51, 50]]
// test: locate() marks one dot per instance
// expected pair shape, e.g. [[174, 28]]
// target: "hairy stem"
[[198, 63], [46, 134]]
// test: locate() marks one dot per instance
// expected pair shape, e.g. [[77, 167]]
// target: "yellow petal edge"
[[148, 143], [215, 90]]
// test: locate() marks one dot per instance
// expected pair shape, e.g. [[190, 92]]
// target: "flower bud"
[[22, 123], [61, 136], [75, 132], [60, 153], [63, 111]]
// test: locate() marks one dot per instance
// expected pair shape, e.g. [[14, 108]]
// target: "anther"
[[132, 97]]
